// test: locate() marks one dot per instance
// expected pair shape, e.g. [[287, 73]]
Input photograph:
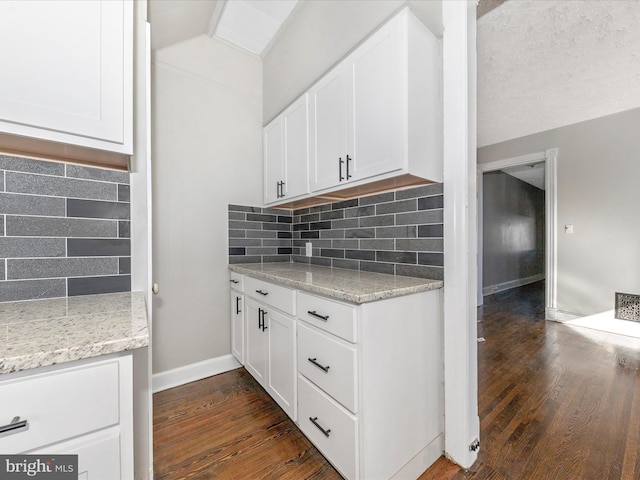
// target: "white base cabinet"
[[370, 383], [83, 407], [363, 382], [271, 341]]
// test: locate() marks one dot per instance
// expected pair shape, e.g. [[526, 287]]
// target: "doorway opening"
[[518, 235]]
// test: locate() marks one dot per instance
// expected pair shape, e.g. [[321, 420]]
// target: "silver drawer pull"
[[262, 293], [317, 315], [16, 424], [321, 367], [314, 421]]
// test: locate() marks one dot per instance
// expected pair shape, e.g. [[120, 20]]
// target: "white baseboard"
[[501, 287], [559, 315], [195, 371], [422, 460]]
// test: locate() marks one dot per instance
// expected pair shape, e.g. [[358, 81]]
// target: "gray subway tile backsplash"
[[95, 285], [395, 232], [27, 268], [14, 290], [67, 230], [32, 205], [32, 247], [22, 226], [97, 209], [60, 186], [98, 247], [28, 165]]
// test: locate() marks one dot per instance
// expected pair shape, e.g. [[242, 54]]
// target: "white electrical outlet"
[[308, 249]]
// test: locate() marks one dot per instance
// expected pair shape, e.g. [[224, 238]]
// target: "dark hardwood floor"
[[555, 402]]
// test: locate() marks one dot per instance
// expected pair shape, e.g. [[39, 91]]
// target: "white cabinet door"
[[273, 160], [256, 347], [68, 72], [98, 455], [296, 148], [237, 325], [328, 130], [281, 383], [377, 96]]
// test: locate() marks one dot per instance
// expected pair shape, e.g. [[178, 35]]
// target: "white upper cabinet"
[[328, 132], [286, 154], [273, 146], [377, 114], [68, 72], [376, 93]]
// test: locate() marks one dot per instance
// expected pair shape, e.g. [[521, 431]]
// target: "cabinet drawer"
[[237, 281], [334, 317], [59, 405], [340, 443], [282, 298], [329, 364]]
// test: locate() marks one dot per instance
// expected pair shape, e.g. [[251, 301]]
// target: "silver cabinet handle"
[[16, 424]]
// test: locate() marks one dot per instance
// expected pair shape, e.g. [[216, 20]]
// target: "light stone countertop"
[[37, 333], [350, 285]]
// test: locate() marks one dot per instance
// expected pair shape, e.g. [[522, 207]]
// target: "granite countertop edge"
[[95, 344], [360, 291]]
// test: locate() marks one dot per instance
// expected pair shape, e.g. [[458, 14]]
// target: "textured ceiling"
[[546, 64]]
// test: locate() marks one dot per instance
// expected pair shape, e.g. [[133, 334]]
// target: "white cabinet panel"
[[281, 383], [334, 317], [330, 364], [237, 325], [59, 405], [328, 130], [256, 346], [296, 148], [330, 427], [98, 455], [70, 66], [376, 139], [273, 160], [83, 408], [286, 153], [282, 298]]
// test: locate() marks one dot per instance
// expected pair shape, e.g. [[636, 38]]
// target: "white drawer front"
[[329, 364], [282, 298], [59, 405], [339, 444], [237, 281], [334, 317]]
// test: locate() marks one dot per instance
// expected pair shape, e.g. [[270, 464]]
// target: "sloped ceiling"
[[173, 21], [547, 64]]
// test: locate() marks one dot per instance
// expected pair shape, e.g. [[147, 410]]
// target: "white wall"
[[207, 144], [598, 193]]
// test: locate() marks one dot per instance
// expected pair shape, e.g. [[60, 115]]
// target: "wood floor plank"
[[555, 403]]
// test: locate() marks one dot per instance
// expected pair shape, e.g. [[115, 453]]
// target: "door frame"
[[550, 157]]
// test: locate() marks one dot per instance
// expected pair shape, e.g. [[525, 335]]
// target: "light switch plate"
[[308, 249]]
